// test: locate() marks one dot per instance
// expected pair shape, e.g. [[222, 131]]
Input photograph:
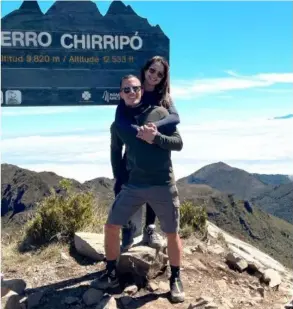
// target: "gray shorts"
[[164, 200]]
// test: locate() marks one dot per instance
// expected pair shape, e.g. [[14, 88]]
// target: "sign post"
[[72, 55]]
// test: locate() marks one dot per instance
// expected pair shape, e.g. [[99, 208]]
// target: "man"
[[151, 179], [150, 237], [118, 162]]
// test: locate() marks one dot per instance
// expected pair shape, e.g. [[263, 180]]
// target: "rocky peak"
[[30, 6], [78, 7], [119, 8]]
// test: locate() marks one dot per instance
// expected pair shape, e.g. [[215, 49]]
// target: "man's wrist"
[[157, 138]]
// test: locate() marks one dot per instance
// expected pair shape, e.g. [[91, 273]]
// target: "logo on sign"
[[86, 95], [13, 97], [110, 96]]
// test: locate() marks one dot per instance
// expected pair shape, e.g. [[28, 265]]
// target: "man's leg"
[[174, 249], [127, 202], [112, 241], [165, 202], [129, 229]]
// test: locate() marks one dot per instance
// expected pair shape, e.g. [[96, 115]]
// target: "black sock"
[[150, 216], [175, 272], [111, 268]]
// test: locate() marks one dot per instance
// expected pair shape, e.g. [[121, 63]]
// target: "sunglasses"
[[135, 89], [153, 71]]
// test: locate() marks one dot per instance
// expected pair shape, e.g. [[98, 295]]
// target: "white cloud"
[[47, 110], [240, 140], [80, 172], [24, 111], [276, 77], [256, 145], [277, 91], [187, 90]]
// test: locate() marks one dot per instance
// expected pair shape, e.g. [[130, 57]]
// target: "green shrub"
[[60, 216], [186, 231], [193, 218]]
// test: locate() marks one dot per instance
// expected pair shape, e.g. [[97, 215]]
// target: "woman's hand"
[[147, 132]]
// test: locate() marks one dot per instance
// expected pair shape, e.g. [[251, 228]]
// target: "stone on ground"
[[142, 261], [236, 261], [90, 245], [272, 278]]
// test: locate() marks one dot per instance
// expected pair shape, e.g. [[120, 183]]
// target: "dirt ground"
[[59, 272]]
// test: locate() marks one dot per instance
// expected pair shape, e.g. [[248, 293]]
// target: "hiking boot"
[[106, 281], [128, 237], [151, 238], [176, 290]]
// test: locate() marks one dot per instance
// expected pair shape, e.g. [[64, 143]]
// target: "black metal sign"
[[72, 55]]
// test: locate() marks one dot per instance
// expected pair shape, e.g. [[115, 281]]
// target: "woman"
[[155, 79]]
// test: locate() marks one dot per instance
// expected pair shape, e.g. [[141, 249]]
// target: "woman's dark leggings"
[[150, 216]]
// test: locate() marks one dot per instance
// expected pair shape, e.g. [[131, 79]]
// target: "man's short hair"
[[127, 77]]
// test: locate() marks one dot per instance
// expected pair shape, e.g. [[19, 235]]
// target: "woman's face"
[[154, 74]]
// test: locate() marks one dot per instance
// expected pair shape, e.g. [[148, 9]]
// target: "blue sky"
[[231, 70]]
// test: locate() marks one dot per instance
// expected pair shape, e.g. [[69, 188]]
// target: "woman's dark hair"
[[163, 88]]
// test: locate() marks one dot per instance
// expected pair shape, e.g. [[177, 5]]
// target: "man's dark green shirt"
[[147, 164]]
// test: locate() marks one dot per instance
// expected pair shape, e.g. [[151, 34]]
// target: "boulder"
[[236, 261], [248, 252], [90, 245], [272, 278], [142, 261]]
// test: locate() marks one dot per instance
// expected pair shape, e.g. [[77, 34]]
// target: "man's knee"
[[112, 228], [172, 236]]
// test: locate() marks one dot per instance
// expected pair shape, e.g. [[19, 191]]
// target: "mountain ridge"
[[22, 189], [224, 177], [81, 15], [260, 189]]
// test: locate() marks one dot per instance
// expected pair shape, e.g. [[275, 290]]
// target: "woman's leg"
[[150, 237], [150, 217]]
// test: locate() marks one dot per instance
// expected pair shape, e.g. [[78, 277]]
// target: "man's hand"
[[147, 132]]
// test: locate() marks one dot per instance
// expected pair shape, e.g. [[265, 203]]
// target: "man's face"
[[131, 91]]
